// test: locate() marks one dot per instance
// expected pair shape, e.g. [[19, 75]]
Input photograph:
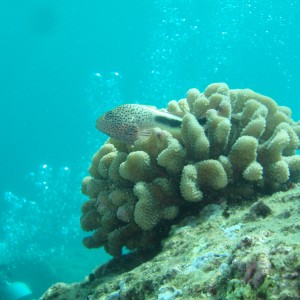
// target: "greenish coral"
[[232, 142]]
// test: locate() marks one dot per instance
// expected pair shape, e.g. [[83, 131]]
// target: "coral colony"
[[234, 144]]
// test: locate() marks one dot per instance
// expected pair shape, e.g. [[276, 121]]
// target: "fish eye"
[[109, 114]]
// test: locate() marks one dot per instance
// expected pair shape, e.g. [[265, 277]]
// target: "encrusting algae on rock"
[[232, 144]]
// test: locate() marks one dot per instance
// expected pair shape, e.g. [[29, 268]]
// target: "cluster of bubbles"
[[167, 56], [45, 224], [195, 43]]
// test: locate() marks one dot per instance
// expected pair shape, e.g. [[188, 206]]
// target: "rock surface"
[[248, 250]]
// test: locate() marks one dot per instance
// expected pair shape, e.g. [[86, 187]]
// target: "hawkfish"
[[129, 122]]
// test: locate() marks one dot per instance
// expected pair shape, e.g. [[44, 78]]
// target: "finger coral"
[[233, 143]]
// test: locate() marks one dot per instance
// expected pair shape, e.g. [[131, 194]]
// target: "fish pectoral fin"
[[145, 132]]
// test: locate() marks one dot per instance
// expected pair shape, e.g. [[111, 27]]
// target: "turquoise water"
[[64, 63]]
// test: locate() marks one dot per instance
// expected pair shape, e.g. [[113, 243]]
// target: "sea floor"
[[245, 251]]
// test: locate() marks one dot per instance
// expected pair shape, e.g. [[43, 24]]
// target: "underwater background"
[[65, 63]]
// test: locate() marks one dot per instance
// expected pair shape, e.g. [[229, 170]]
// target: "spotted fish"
[[129, 122]]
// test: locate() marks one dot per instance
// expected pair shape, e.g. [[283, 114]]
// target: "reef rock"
[[223, 252]]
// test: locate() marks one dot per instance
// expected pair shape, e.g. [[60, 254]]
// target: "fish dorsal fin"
[[151, 106]]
